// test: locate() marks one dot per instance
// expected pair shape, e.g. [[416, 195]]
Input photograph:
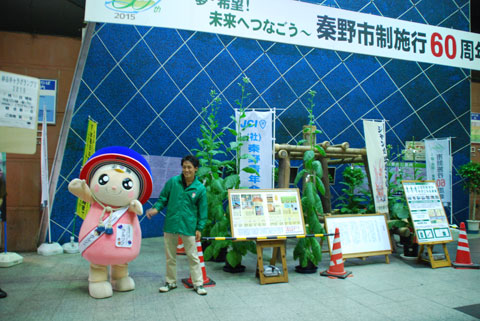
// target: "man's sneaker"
[[200, 290], [167, 287]]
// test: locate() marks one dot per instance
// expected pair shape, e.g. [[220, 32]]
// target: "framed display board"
[[18, 113], [427, 212], [361, 235], [265, 212]]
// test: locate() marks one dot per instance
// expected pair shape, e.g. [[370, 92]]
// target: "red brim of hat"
[[144, 175]]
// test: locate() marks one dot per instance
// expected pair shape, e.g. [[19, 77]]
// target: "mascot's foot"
[[100, 290], [124, 284]]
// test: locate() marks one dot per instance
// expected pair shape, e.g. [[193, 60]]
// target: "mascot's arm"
[[136, 207], [80, 189]]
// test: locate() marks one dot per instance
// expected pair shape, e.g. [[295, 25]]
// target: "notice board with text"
[[426, 210], [266, 212], [361, 235]]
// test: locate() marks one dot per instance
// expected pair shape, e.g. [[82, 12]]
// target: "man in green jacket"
[[186, 200]]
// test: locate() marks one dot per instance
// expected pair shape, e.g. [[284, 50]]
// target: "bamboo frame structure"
[[335, 155]]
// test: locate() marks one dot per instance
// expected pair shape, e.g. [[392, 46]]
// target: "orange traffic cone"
[[336, 269], [180, 247], [207, 282], [463, 259]]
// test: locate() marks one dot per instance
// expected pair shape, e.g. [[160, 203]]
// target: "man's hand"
[[151, 212], [198, 236]]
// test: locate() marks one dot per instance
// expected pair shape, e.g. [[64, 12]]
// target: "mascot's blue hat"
[[123, 156]]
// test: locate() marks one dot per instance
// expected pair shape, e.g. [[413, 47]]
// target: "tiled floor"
[[55, 288]]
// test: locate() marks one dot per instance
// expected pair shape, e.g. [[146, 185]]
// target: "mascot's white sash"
[[91, 237]]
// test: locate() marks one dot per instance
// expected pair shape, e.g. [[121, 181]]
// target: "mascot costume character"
[[116, 181]]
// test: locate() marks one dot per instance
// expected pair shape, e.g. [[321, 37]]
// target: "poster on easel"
[[265, 212], [426, 210]]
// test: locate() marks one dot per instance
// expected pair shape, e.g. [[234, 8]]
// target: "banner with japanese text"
[[439, 167], [258, 127], [299, 23], [90, 142], [377, 155]]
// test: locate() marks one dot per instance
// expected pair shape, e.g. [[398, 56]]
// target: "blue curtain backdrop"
[[146, 88]]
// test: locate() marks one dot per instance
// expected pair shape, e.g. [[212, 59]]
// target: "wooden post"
[[310, 138], [283, 169], [326, 201]]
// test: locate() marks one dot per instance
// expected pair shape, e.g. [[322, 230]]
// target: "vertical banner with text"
[[258, 126], [439, 167], [91, 139], [376, 155]]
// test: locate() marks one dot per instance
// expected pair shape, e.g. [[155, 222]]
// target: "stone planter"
[[473, 226]]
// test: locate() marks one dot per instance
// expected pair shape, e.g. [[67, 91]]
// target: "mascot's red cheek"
[[96, 188], [131, 194]]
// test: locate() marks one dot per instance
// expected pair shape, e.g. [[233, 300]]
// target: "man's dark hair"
[[192, 159]]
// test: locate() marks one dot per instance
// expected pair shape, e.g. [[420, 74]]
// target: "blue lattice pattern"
[[146, 87]]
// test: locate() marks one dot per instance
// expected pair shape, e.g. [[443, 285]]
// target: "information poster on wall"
[[47, 100], [267, 212], [427, 212], [360, 235], [18, 113]]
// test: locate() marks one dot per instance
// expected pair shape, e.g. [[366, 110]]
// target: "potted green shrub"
[[350, 202], [470, 173]]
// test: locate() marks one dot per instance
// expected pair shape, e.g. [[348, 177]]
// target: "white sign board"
[[299, 23], [265, 212], [427, 212], [18, 113], [360, 235]]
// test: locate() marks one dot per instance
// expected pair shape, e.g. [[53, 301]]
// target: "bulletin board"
[[18, 113], [426, 210], [265, 212], [360, 235]]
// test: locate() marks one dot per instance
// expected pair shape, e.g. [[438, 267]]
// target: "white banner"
[[376, 155], [299, 23], [258, 126], [439, 168]]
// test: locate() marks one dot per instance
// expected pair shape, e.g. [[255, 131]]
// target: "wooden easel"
[[363, 256], [434, 263], [277, 245]]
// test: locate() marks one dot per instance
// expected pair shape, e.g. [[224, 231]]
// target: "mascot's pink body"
[[104, 251], [115, 181]]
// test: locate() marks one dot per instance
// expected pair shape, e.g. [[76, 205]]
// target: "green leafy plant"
[[308, 249], [210, 171], [352, 202], [397, 204], [470, 174], [221, 223]]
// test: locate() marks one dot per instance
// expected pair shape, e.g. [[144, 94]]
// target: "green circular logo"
[[131, 6]]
